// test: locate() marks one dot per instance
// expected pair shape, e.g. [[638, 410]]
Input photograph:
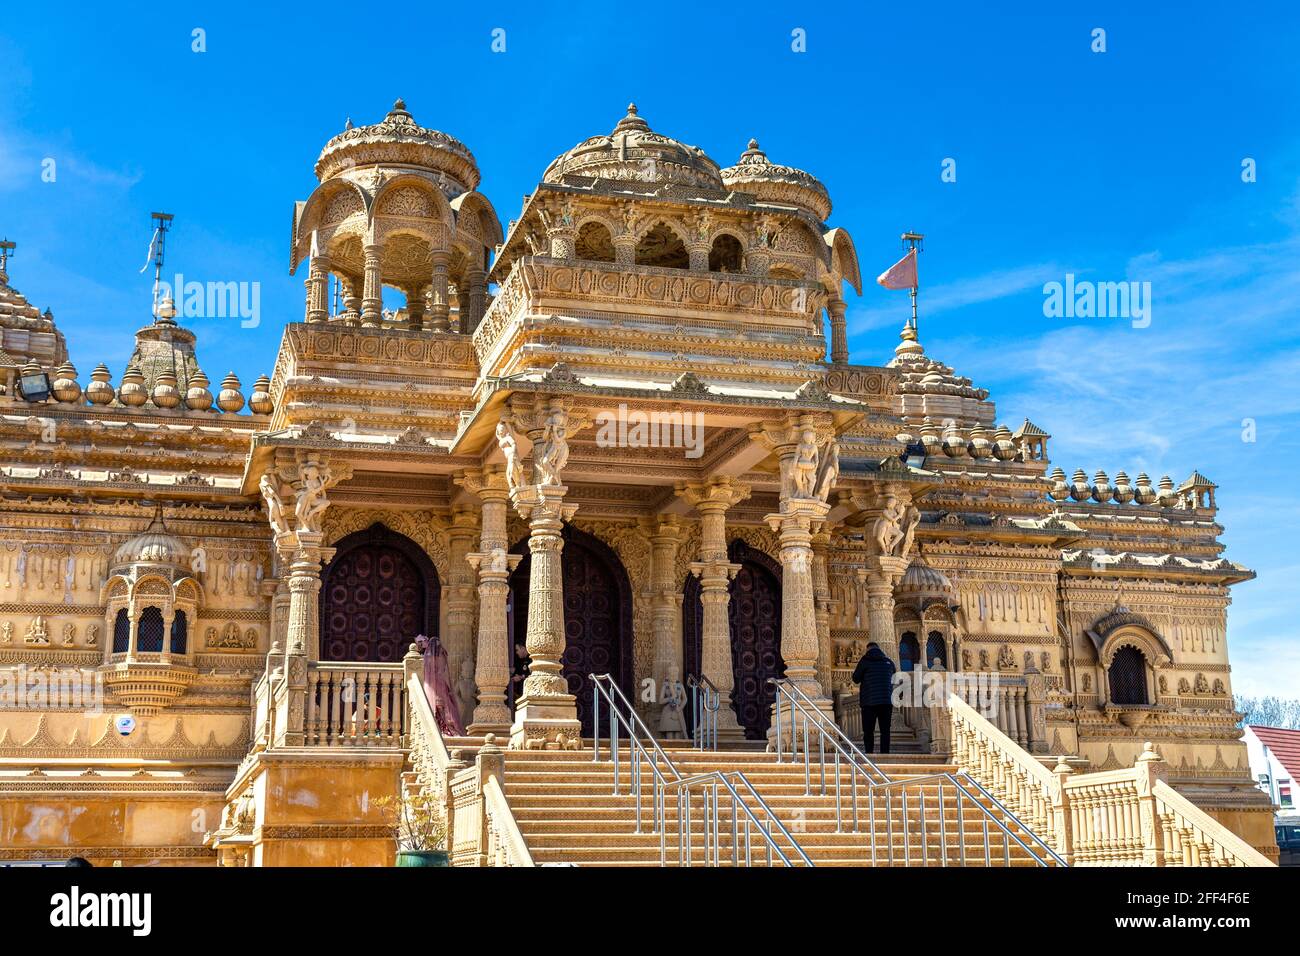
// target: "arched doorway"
[[377, 593], [754, 611], [597, 618]]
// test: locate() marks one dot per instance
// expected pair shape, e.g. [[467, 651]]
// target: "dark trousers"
[[873, 714]]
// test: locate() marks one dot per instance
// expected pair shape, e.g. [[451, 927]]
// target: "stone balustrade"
[[481, 830], [355, 705], [1129, 817]]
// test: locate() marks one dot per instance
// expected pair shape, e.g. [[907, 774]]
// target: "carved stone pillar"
[[711, 499], [439, 294], [799, 646], [547, 709], [372, 290], [625, 249], [475, 301], [879, 577], [306, 477], [666, 612], [839, 330], [415, 307], [808, 456], [492, 666], [318, 278], [698, 253], [351, 302], [822, 598], [458, 594]]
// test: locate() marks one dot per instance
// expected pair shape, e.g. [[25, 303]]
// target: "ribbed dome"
[[635, 153], [755, 173], [153, 546], [398, 140], [924, 581]]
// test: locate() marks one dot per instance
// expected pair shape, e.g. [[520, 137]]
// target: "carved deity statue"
[[888, 528], [803, 471], [672, 716], [274, 508], [36, 633], [508, 440], [311, 498], [552, 453], [466, 690], [6, 633], [828, 471]]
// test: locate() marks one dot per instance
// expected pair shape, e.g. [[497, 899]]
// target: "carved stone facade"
[[663, 370]]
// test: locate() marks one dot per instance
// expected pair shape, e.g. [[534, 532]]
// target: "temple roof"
[[755, 173], [27, 335], [398, 140], [633, 152]]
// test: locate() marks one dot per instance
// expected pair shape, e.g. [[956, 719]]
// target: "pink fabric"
[[902, 274], [437, 686]]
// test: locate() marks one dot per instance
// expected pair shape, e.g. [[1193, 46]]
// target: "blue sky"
[[1117, 165]]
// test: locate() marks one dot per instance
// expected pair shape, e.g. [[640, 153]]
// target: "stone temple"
[[616, 459]]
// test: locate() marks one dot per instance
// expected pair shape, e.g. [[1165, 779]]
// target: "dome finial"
[[631, 109], [399, 104], [753, 143]]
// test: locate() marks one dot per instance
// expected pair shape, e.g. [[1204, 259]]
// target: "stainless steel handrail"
[[877, 783], [603, 685], [708, 784], [705, 701], [989, 817]]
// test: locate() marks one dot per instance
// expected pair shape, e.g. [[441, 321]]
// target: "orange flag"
[[902, 274]]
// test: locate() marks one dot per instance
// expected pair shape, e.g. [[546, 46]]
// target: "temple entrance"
[[378, 592], [755, 616], [597, 619]]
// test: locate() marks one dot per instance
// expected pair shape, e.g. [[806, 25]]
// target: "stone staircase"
[[567, 813]]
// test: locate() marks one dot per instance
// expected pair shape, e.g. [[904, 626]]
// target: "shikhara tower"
[[249, 584]]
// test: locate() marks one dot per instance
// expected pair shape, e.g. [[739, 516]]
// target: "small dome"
[[154, 546], [635, 153], [921, 580], [755, 173], [398, 140]]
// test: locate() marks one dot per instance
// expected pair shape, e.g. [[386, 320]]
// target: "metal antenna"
[[162, 222]]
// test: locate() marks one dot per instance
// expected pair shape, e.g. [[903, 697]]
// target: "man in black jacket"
[[875, 677]]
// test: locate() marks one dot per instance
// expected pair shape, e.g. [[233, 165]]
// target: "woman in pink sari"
[[437, 686]]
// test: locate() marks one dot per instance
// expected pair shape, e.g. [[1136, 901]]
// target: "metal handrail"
[[957, 780], [706, 699], [878, 783], [708, 783], [603, 685]]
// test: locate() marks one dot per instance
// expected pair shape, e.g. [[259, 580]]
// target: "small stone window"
[[1128, 677], [149, 638]]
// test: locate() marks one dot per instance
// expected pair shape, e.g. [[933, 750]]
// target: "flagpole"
[[914, 241]]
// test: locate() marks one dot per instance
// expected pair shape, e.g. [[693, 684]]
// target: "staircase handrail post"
[[1062, 824], [1148, 769]]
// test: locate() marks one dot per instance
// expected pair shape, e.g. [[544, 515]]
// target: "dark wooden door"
[[754, 612], [375, 598], [597, 619]]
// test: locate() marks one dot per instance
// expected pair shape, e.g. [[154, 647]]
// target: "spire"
[[909, 344], [6, 250]]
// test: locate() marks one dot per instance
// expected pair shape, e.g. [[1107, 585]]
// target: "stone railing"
[[355, 705], [481, 829], [1190, 837], [1126, 817]]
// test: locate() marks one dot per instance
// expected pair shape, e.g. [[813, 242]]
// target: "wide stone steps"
[[568, 813]]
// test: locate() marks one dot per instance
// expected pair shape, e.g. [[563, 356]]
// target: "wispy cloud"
[[938, 299]]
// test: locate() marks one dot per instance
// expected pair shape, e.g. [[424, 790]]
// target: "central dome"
[[635, 153], [398, 141]]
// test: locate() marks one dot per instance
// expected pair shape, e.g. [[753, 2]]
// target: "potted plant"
[[417, 826]]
